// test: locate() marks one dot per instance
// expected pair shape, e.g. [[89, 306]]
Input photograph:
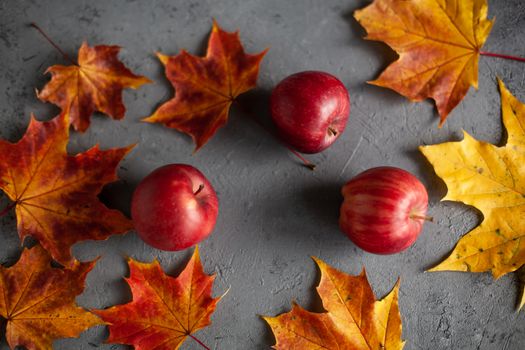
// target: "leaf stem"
[[305, 161], [65, 55], [507, 57], [7, 209], [198, 341]]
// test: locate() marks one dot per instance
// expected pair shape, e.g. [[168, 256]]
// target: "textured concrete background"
[[274, 213]]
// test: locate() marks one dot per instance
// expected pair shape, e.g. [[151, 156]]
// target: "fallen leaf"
[[95, 84], [354, 319], [438, 42], [205, 87], [491, 179], [56, 194], [164, 310], [38, 301]]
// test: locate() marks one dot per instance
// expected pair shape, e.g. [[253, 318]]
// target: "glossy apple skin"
[[168, 210], [383, 210], [310, 110]]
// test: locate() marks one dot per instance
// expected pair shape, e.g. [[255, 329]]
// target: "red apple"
[[174, 207], [384, 210], [310, 110]]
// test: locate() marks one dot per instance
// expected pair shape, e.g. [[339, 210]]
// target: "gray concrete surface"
[[274, 214]]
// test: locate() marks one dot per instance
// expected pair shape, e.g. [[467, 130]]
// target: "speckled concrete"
[[274, 214]]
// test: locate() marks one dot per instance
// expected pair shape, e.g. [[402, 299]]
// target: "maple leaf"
[[94, 84], [38, 301], [438, 42], [205, 87], [492, 179], [354, 319], [56, 194], [164, 310]]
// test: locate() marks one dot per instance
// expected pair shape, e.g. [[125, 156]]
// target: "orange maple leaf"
[[38, 301], [56, 194], [205, 87], [438, 42], [94, 84], [354, 319], [164, 310]]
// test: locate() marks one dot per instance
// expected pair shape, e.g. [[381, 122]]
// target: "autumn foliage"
[[491, 179], [438, 43], [164, 310], [56, 194], [205, 87], [94, 84], [38, 301], [354, 319]]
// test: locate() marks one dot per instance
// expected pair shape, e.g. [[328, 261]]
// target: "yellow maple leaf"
[[438, 42], [492, 179], [354, 319]]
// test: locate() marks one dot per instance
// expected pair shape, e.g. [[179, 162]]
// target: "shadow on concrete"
[[436, 187], [373, 48], [323, 201]]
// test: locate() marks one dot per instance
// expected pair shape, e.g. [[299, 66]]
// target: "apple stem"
[[507, 57], [422, 217], [198, 341], [332, 132], [7, 209], [201, 187], [65, 55], [305, 161]]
